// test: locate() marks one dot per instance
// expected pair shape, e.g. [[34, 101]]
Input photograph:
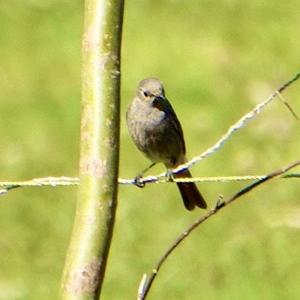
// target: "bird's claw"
[[138, 182], [169, 175]]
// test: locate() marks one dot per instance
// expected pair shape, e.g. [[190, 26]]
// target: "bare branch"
[[147, 283]]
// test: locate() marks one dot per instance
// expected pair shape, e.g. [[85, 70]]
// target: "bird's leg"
[[147, 169], [137, 179]]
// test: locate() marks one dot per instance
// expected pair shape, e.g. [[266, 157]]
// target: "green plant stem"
[[99, 157]]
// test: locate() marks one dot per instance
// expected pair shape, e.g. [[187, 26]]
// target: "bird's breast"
[[153, 132]]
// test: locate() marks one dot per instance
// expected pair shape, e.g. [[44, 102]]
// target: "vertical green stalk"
[[99, 158]]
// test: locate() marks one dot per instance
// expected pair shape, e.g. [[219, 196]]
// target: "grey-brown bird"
[[156, 131]]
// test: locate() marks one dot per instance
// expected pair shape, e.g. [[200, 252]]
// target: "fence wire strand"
[[6, 186]]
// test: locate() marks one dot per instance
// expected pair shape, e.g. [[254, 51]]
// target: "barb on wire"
[[147, 282]]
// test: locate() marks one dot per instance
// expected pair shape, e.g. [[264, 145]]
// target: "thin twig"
[[147, 283], [288, 106]]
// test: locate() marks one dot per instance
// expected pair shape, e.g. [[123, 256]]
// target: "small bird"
[[157, 133]]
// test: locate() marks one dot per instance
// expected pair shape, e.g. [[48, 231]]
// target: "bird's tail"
[[189, 192]]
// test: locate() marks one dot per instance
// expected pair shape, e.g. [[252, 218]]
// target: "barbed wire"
[[6, 186]]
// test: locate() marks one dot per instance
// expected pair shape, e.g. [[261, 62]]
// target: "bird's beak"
[[159, 97], [158, 101]]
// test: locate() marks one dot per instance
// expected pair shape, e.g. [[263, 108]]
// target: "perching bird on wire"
[[157, 133]]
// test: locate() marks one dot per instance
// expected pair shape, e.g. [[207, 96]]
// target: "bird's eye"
[[146, 93]]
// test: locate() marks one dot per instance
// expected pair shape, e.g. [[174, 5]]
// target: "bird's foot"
[[169, 175], [138, 181]]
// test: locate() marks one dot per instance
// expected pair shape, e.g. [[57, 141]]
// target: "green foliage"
[[217, 59]]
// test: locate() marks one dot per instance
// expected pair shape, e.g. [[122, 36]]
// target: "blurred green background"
[[217, 60]]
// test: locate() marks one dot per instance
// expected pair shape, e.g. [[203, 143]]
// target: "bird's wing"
[[165, 106]]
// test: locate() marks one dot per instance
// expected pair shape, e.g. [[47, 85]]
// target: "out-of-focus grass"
[[217, 59]]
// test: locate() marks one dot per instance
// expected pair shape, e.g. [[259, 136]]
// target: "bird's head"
[[150, 89]]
